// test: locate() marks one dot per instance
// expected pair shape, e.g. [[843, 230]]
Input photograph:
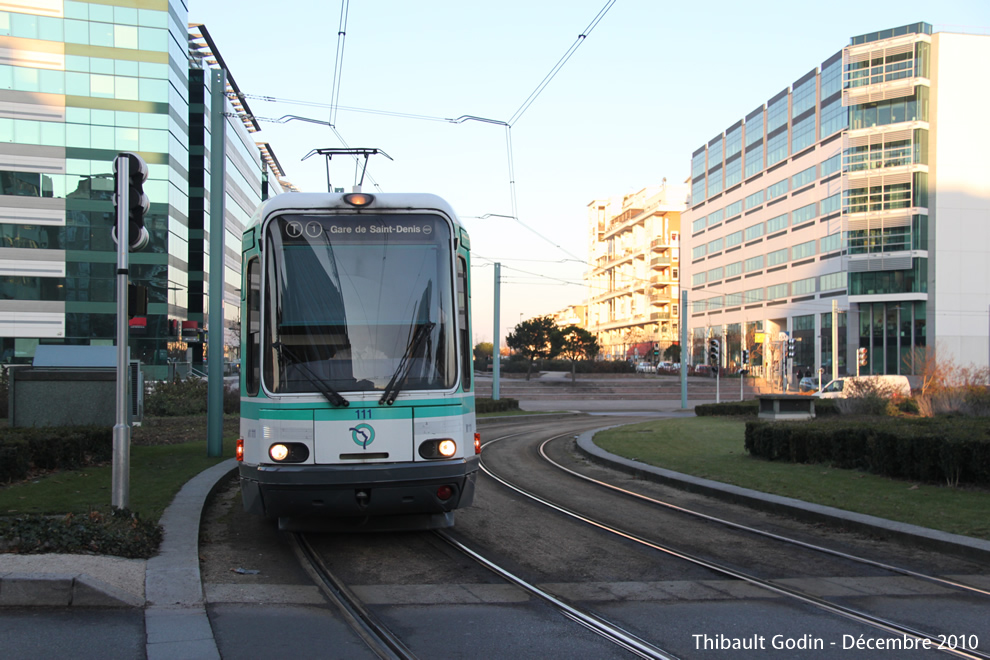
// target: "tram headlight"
[[438, 448], [288, 452]]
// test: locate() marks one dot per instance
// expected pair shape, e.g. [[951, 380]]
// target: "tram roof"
[[302, 202]]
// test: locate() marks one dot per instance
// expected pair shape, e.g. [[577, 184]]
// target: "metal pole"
[[684, 353], [121, 468], [496, 360], [215, 331], [835, 339]]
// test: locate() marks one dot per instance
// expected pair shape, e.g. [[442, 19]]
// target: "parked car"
[[808, 384], [645, 368], [840, 388]]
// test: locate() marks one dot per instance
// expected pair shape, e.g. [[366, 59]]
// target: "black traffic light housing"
[[713, 353], [790, 348], [136, 170], [745, 357]]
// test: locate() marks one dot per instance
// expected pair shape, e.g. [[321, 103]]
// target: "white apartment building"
[[633, 286], [861, 187]]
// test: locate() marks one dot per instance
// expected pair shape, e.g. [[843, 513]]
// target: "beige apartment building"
[[633, 289]]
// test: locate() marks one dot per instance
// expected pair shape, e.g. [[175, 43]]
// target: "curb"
[[62, 590], [922, 536]]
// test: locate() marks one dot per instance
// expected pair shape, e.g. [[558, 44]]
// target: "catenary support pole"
[[496, 359], [215, 332], [684, 351]]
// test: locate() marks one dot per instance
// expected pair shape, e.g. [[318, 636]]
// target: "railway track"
[[780, 588]]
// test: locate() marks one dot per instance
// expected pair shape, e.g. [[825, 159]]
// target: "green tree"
[[673, 353], [483, 352], [535, 339], [578, 344]]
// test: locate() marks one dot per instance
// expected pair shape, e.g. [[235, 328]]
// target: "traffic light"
[[790, 348], [656, 349], [138, 203], [861, 358], [745, 357], [713, 353]]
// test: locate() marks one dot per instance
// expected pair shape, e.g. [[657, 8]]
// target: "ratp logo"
[[362, 435]]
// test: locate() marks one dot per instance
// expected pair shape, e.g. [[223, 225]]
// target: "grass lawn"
[[712, 448], [176, 452]]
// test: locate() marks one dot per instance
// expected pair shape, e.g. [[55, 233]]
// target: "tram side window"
[[463, 314], [252, 356]]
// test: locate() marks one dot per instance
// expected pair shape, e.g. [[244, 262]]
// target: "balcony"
[[660, 262]]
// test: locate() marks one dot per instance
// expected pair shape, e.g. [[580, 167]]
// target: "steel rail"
[[776, 537], [840, 610], [372, 632]]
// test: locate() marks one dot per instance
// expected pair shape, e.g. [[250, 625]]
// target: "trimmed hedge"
[[953, 450], [751, 408], [52, 448], [483, 405]]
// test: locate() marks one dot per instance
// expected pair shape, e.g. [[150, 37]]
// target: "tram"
[[357, 400]]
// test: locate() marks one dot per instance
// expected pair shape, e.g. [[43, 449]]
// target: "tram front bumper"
[[317, 491]]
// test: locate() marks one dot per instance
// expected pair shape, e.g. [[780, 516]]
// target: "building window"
[[777, 148], [715, 246], [777, 291], [803, 134], [733, 299], [831, 165], [802, 287], [832, 281], [803, 250], [733, 269], [776, 224], [803, 178], [754, 160], [715, 217], [715, 274], [754, 231], [753, 263], [698, 279], [733, 239], [894, 111], [715, 182], [698, 164], [733, 172], [698, 190], [777, 189], [734, 209], [754, 200], [777, 257], [803, 214], [831, 204], [831, 243], [698, 251], [699, 224], [733, 142], [753, 295]]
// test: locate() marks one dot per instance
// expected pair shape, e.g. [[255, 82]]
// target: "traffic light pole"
[[121, 468]]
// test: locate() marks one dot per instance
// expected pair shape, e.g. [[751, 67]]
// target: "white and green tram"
[[357, 400]]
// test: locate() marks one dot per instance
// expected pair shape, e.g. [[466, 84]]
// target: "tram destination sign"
[[365, 228]]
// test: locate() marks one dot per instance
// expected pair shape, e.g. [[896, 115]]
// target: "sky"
[[648, 84]]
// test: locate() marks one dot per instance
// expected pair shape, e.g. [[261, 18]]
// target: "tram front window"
[[347, 297]]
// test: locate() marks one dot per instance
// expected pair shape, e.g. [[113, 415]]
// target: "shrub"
[[729, 408], [868, 397], [177, 398], [952, 450], [52, 448], [485, 405], [120, 533]]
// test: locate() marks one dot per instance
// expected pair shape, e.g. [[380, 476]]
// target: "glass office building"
[[81, 82], [855, 184]]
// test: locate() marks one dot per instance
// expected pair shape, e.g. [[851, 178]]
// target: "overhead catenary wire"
[[560, 64], [338, 65]]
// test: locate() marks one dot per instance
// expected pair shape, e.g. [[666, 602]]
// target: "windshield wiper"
[[394, 385], [328, 392]]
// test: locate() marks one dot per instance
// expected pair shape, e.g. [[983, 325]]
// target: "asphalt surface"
[[57, 606]]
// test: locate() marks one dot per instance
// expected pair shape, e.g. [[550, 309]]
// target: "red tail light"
[[239, 450], [477, 443]]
